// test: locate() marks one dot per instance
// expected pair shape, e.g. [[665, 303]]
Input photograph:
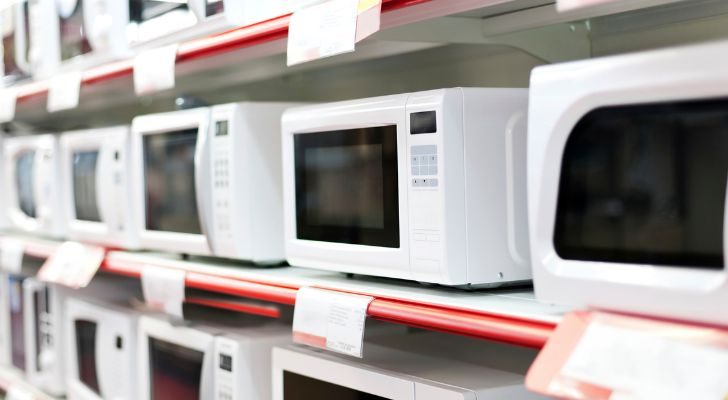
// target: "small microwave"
[[97, 196], [427, 186], [208, 181], [386, 372], [14, 42], [33, 183], [187, 362], [100, 343], [628, 166]]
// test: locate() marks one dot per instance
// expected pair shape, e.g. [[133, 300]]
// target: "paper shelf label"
[[11, 255], [8, 101], [570, 5], [64, 91], [164, 289], [154, 70], [330, 320], [19, 393], [73, 264], [603, 356]]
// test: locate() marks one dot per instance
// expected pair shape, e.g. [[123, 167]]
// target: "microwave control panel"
[[221, 189], [226, 351]]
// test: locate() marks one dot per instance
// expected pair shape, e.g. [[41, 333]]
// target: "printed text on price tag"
[[330, 320], [73, 264]]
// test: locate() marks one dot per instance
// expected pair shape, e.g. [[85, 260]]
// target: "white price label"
[[18, 393], [330, 320], [11, 255], [73, 264], [64, 91], [640, 365], [369, 20], [164, 289], [8, 100], [570, 5], [154, 70], [322, 30]]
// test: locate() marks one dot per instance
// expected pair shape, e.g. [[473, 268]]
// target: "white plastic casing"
[[115, 366], [47, 186], [13, 21], [237, 179], [106, 22], [45, 48], [560, 96], [44, 363], [470, 227], [113, 187], [249, 350], [398, 375]]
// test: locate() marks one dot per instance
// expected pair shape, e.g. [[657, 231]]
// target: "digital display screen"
[[17, 323], [84, 185], [169, 174], [24, 182], [346, 186], [145, 10], [226, 362], [646, 184], [86, 354], [423, 122], [221, 128], [73, 32], [299, 387], [214, 7], [176, 371]]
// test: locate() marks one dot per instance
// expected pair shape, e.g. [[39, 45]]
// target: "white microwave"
[[33, 183], [100, 343], [628, 164], [14, 42], [97, 194], [427, 186], [388, 373], [44, 352], [208, 181], [206, 363]]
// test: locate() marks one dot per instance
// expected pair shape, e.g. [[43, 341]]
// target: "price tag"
[[570, 5], [11, 255], [18, 393], [64, 91], [330, 320], [154, 70], [73, 264], [322, 30], [606, 357], [8, 100], [164, 289], [369, 18]]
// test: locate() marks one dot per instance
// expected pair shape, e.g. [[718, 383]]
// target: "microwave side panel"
[[5, 339], [495, 125]]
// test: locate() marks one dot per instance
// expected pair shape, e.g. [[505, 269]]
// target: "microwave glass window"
[[169, 174], [646, 184], [24, 179], [84, 185], [299, 387], [346, 186], [12, 70], [214, 7], [86, 354], [17, 323], [176, 371], [145, 10], [73, 33]]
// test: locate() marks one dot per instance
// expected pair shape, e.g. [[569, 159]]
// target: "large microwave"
[[14, 42], [427, 186], [206, 363], [386, 372], [100, 343], [97, 195], [33, 184], [44, 352], [628, 164], [207, 181]]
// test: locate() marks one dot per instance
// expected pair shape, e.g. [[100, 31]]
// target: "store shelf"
[[511, 316], [11, 378]]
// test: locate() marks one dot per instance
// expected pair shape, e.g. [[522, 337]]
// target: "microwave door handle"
[[202, 181]]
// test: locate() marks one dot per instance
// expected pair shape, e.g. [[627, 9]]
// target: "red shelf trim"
[[238, 38]]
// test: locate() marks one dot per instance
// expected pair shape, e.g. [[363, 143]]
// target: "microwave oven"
[[206, 363], [33, 183], [426, 186], [100, 343], [386, 372], [97, 196], [628, 164], [14, 42], [207, 181]]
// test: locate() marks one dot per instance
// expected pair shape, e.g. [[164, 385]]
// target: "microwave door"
[[203, 182]]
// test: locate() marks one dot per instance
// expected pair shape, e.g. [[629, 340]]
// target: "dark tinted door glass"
[[24, 177], [346, 186], [646, 184], [169, 173], [144, 10], [84, 185], [12, 70], [176, 371], [299, 387], [73, 33], [17, 326], [86, 354], [214, 7]]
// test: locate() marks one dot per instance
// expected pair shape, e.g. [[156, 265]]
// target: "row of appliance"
[[605, 181], [42, 37], [91, 345]]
